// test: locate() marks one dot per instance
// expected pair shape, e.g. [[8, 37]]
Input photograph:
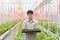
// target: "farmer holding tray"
[[30, 24]]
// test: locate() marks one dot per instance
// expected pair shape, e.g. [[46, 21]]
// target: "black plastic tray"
[[30, 30]]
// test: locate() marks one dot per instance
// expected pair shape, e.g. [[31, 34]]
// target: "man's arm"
[[24, 25], [36, 25]]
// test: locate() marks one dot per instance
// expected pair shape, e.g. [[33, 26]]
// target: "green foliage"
[[59, 29], [50, 38], [42, 36], [7, 26], [19, 36], [53, 28]]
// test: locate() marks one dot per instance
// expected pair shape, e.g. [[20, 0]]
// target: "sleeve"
[[36, 25], [24, 25]]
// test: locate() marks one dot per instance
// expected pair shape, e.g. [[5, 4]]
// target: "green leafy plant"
[[53, 28], [6, 26]]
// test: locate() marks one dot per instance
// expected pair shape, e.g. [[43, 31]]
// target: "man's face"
[[30, 16]]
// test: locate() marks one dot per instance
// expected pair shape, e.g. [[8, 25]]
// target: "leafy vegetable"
[[7, 26]]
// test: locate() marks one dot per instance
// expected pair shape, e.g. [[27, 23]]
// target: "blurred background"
[[15, 9], [47, 12]]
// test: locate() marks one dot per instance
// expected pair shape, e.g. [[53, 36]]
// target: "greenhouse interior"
[[14, 12]]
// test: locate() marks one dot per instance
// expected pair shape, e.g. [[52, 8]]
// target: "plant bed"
[[52, 27], [7, 26]]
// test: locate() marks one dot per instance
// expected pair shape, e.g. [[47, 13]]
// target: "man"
[[29, 24]]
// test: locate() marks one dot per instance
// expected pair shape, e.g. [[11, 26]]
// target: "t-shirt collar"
[[31, 21]]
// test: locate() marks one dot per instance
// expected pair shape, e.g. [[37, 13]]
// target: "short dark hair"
[[29, 12]]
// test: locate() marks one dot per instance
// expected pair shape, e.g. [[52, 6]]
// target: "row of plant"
[[59, 31], [6, 26], [50, 26], [40, 36], [45, 36]]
